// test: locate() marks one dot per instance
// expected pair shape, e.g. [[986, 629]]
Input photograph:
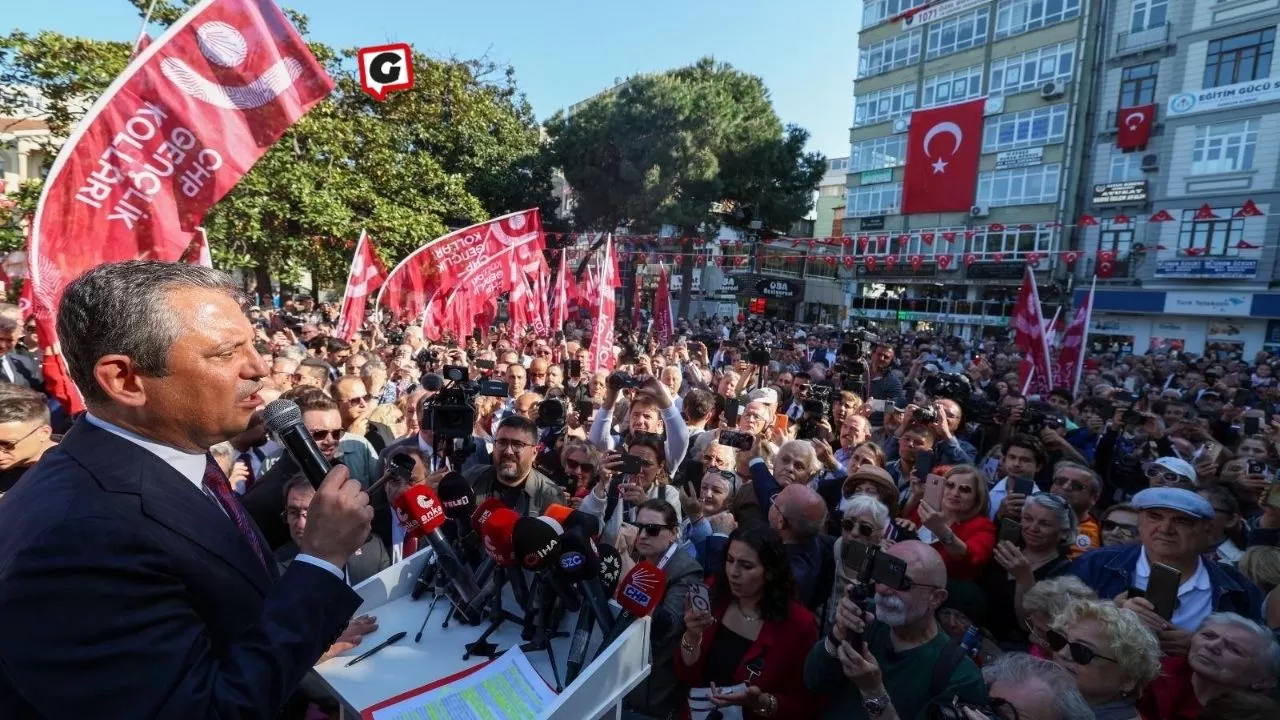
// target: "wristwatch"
[[876, 705]]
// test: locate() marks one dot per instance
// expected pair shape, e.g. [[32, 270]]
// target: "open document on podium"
[[508, 688]]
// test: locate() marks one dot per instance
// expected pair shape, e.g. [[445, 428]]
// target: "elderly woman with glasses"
[[959, 530], [1229, 653], [710, 512], [1047, 528], [864, 520], [1111, 654]]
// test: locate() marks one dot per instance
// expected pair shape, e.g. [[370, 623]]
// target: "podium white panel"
[[408, 665]]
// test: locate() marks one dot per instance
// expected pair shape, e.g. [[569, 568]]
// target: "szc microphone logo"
[[571, 560]]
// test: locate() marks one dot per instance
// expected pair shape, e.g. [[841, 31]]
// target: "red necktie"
[[217, 484], [409, 546]]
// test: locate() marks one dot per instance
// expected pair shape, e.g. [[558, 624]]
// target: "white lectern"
[[407, 665]]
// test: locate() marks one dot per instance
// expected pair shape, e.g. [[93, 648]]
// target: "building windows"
[[1018, 16], [1147, 14], [877, 154], [1116, 238], [1014, 241], [875, 12], [953, 87], [1039, 126], [831, 191], [898, 51], [1138, 85], [958, 33], [1019, 186], [1032, 69], [1225, 147], [884, 104], [882, 199], [1217, 236], [1125, 166], [837, 164], [1239, 58]]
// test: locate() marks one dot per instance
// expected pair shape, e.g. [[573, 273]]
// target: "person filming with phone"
[[950, 513]]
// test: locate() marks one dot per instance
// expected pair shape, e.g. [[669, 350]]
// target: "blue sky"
[[566, 50]]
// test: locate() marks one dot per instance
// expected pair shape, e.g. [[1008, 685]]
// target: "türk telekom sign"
[[937, 12]]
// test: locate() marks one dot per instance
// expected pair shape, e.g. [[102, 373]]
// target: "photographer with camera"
[[652, 411], [944, 419], [884, 383], [901, 663]]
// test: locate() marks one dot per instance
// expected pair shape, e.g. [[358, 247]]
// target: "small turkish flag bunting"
[[1071, 256], [848, 262], [1246, 245], [944, 261], [1162, 216], [870, 262], [1120, 220], [846, 241], [831, 260], [1033, 259], [1161, 247], [742, 260], [916, 261], [1026, 226], [1106, 264], [812, 243], [1194, 251], [1206, 213], [927, 238], [904, 238], [719, 261], [996, 227], [970, 259], [1250, 209], [795, 242], [891, 262], [1086, 220], [949, 236], [1055, 224], [881, 241], [997, 257], [969, 234]]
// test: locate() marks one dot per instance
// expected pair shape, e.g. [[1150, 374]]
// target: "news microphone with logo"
[[422, 514], [610, 567], [459, 501], [580, 565], [639, 594], [283, 419], [496, 529], [537, 547]]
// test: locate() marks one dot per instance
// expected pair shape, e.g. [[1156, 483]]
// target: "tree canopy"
[[461, 146]]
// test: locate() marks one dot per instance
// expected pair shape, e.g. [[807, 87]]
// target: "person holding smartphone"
[[958, 528]]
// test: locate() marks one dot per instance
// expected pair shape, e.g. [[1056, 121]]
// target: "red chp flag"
[[560, 305], [1036, 373], [605, 306], [198, 253], [364, 279], [434, 270], [943, 148], [1071, 354], [172, 135], [664, 324], [1133, 126]]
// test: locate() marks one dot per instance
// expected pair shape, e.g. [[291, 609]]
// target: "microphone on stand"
[[610, 567], [420, 513], [459, 501], [284, 419], [639, 595], [496, 528], [580, 565]]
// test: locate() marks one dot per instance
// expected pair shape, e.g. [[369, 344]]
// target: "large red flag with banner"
[[560, 304], [602, 357], [943, 148], [366, 276], [434, 270], [664, 326], [1036, 372], [1071, 354], [172, 135]]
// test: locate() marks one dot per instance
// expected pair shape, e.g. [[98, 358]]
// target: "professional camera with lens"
[[759, 353], [451, 413], [925, 415], [952, 386], [551, 414], [858, 344]]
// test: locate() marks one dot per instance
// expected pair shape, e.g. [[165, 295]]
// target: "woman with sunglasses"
[[710, 512], [1048, 526], [755, 633], [959, 530], [1120, 525], [1111, 654], [579, 460], [864, 520], [656, 538], [1047, 600]]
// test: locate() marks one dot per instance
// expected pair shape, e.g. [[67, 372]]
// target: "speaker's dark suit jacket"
[[126, 592]]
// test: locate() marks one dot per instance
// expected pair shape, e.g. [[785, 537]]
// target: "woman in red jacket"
[[755, 633], [959, 530]]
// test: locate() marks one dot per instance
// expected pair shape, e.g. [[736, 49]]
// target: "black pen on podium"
[[389, 641]]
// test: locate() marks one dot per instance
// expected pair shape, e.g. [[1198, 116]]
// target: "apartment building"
[[829, 208], [1034, 61], [1200, 276]]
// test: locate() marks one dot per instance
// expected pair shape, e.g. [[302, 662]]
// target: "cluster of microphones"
[[553, 565]]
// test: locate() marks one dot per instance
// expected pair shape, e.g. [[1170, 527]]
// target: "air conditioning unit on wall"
[[1053, 90], [979, 211], [1150, 162]]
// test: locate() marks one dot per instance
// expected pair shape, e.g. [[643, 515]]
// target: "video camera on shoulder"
[[858, 344], [759, 353], [451, 413]]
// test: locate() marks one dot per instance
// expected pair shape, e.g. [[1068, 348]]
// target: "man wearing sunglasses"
[[25, 434], [1081, 487], [1174, 527]]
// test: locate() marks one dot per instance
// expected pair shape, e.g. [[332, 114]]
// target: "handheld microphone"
[[284, 419], [639, 594], [421, 513]]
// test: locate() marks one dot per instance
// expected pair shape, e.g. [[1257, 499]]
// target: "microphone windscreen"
[[535, 542], [419, 510], [583, 523], [433, 382], [482, 513], [578, 560], [641, 590], [497, 533], [557, 512], [610, 567], [281, 414], [457, 496]]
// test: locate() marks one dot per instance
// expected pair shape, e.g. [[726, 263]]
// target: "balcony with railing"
[[966, 312], [1134, 42]]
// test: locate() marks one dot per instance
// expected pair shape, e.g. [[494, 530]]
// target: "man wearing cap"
[[1171, 472], [1173, 525]]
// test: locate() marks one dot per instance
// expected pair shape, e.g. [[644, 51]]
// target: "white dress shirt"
[[191, 466], [1195, 594]]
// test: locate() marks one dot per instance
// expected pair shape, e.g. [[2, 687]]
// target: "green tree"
[[666, 149], [459, 147]]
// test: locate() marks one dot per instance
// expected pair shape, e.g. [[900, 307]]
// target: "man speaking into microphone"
[[132, 582]]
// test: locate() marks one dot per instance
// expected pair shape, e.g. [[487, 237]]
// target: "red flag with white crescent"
[[365, 277], [1133, 126], [944, 146], [187, 118]]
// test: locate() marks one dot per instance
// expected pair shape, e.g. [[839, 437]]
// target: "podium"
[[406, 665]]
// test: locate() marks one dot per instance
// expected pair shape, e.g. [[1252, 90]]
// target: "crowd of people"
[[886, 526]]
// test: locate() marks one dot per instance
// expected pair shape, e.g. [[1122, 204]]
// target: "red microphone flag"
[[364, 279], [1133, 126], [187, 118], [943, 148]]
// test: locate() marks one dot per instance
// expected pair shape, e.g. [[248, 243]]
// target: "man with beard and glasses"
[[891, 675], [511, 478]]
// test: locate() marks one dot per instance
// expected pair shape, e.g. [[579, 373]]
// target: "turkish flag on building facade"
[[1133, 126], [943, 148], [172, 135], [364, 279], [1036, 371]]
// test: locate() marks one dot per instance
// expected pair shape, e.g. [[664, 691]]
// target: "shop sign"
[[1210, 268], [1120, 193], [778, 289], [1208, 303], [1224, 97], [1025, 157], [873, 222], [875, 177]]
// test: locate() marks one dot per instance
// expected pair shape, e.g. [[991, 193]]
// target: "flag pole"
[[142, 31], [1084, 338]]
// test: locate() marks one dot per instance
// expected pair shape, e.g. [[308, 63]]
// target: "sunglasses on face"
[[1159, 473], [653, 529], [574, 466], [964, 489], [863, 528], [1080, 654], [1112, 526], [320, 435]]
